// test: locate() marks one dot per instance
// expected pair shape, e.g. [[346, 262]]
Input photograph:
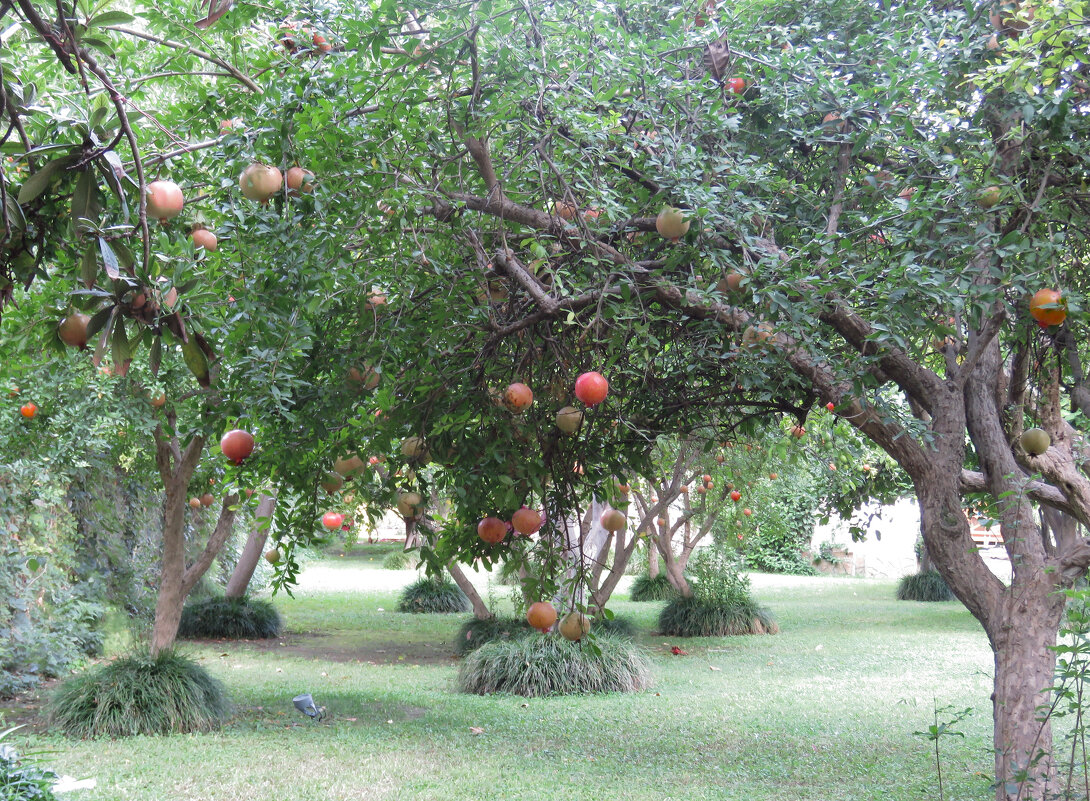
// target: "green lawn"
[[823, 711]]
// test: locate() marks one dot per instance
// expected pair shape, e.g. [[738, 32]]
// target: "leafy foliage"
[[659, 588], [398, 560], [139, 694], [545, 664], [928, 586], [21, 778], [230, 618], [615, 626], [721, 604], [474, 632], [436, 593]]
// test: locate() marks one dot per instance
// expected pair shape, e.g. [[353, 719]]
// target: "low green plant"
[[939, 730], [433, 594], [21, 778], [545, 664], [139, 694], [230, 619], [721, 604], [659, 588], [475, 632], [928, 586], [826, 553], [398, 560], [615, 626]]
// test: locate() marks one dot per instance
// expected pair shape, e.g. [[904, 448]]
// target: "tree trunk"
[[168, 604], [1024, 669], [652, 561], [254, 548], [480, 608]]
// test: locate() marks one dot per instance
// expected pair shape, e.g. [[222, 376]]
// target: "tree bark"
[[653, 561], [253, 549], [480, 608]]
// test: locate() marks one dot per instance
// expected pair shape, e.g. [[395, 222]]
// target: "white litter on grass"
[[66, 784]]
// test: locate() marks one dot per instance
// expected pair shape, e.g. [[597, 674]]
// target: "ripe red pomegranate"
[[541, 615], [28, 410], [164, 200], [203, 238], [321, 43], [332, 520], [492, 530], [73, 330], [526, 521], [260, 182], [591, 388], [736, 496], [194, 503], [237, 445], [207, 499]]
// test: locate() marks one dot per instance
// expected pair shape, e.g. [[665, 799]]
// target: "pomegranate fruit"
[[564, 210], [272, 556], [207, 499], [736, 86], [989, 198], [73, 330], [591, 388], [526, 521], [671, 223], [492, 530], [736, 496], [194, 503], [332, 520], [260, 182], [410, 504], [300, 180], [568, 420], [203, 238], [613, 520], [348, 466], [164, 200], [1048, 307], [28, 410], [159, 401], [747, 512], [237, 444], [414, 449], [541, 615], [332, 482], [518, 397], [1035, 441], [575, 626]]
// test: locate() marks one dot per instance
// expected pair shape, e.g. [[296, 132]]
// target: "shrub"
[[398, 560], [721, 604], [230, 619], [659, 588], [433, 594], [474, 633], [545, 664], [139, 694], [20, 778], [508, 574], [615, 627], [928, 586]]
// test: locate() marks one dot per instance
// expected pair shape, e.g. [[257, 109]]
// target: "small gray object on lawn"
[[305, 704]]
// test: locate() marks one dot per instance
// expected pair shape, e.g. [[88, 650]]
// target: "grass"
[[699, 617], [229, 618], [824, 711], [541, 665], [659, 588], [474, 633], [436, 594]]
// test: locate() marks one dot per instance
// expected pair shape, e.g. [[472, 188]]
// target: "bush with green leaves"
[[659, 588], [546, 664], [139, 694], [398, 560], [928, 586], [721, 604], [433, 594], [475, 632], [614, 626], [230, 619], [21, 778]]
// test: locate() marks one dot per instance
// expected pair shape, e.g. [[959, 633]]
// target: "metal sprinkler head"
[[305, 704]]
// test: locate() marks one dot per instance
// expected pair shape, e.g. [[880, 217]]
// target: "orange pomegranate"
[[526, 521], [492, 530], [518, 397], [541, 615], [203, 238], [73, 330], [1048, 307], [260, 182], [237, 444], [300, 180], [164, 200], [591, 388]]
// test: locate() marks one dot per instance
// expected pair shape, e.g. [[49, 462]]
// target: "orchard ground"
[[825, 710]]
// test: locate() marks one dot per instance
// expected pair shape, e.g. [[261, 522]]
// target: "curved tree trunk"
[[480, 608], [253, 549]]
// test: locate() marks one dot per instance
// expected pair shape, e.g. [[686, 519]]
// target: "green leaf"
[[196, 361], [88, 268], [40, 181], [110, 18], [84, 205], [155, 358], [109, 259]]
